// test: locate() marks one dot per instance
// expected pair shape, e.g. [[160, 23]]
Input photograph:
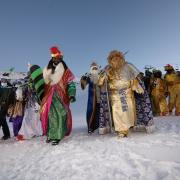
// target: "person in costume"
[[16, 110], [6, 95], [31, 124], [59, 91], [172, 80], [143, 109], [121, 82], [93, 105], [105, 117], [147, 79], [158, 92]]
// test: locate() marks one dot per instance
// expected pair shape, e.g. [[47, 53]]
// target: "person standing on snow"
[[93, 105], [59, 91], [5, 97]]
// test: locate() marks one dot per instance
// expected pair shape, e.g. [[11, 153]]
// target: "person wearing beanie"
[[59, 91]]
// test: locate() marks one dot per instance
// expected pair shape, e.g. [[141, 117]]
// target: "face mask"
[[3, 84]]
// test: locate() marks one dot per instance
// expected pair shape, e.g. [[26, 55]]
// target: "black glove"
[[84, 78], [72, 99], [83, 81]]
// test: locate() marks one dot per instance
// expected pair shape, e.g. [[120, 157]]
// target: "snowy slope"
[[92, 157]]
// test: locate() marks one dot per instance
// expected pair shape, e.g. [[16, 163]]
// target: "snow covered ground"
[[93, 157]]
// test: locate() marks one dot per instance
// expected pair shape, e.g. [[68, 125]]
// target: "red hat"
[[168, 67], [55, 52]]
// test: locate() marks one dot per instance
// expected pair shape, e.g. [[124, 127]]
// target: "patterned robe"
[[105, 120], [143, 107], [121, 85], [93, 105]]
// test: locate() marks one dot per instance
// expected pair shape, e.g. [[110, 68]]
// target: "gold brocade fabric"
[[158, 97], [122, 104], [122, 120], [170, 80], [173, 83]]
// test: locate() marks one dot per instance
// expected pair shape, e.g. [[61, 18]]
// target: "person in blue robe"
[[93, 104]]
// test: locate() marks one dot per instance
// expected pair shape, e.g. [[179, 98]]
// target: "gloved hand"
[[72, 99], [83, 82]]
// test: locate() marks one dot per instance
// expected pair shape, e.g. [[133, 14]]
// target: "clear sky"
[[87, 30]]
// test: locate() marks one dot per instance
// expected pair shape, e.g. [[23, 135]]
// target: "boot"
[[55, 142], [48, 140], [19, 137], [5, 137]]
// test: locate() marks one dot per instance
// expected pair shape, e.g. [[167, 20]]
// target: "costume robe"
[[93, 105], [121, 85], [55, 112], [173, 83], [143, 107], [158, 96], [31, 124], [105, 119]]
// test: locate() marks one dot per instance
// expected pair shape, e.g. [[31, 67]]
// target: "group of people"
[[164, 91], [119, 99], [40, 107]]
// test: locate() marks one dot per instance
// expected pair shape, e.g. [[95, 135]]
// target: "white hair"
[[94, 74]]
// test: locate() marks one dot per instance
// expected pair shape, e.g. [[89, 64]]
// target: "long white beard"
[[53, 78], [94, 76]]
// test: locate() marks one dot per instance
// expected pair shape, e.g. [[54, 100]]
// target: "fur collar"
[[53, 79]]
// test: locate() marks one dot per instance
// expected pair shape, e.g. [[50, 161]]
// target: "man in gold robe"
[[121, 82]]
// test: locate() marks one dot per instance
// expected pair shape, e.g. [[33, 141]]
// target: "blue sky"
[[87, 30]]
